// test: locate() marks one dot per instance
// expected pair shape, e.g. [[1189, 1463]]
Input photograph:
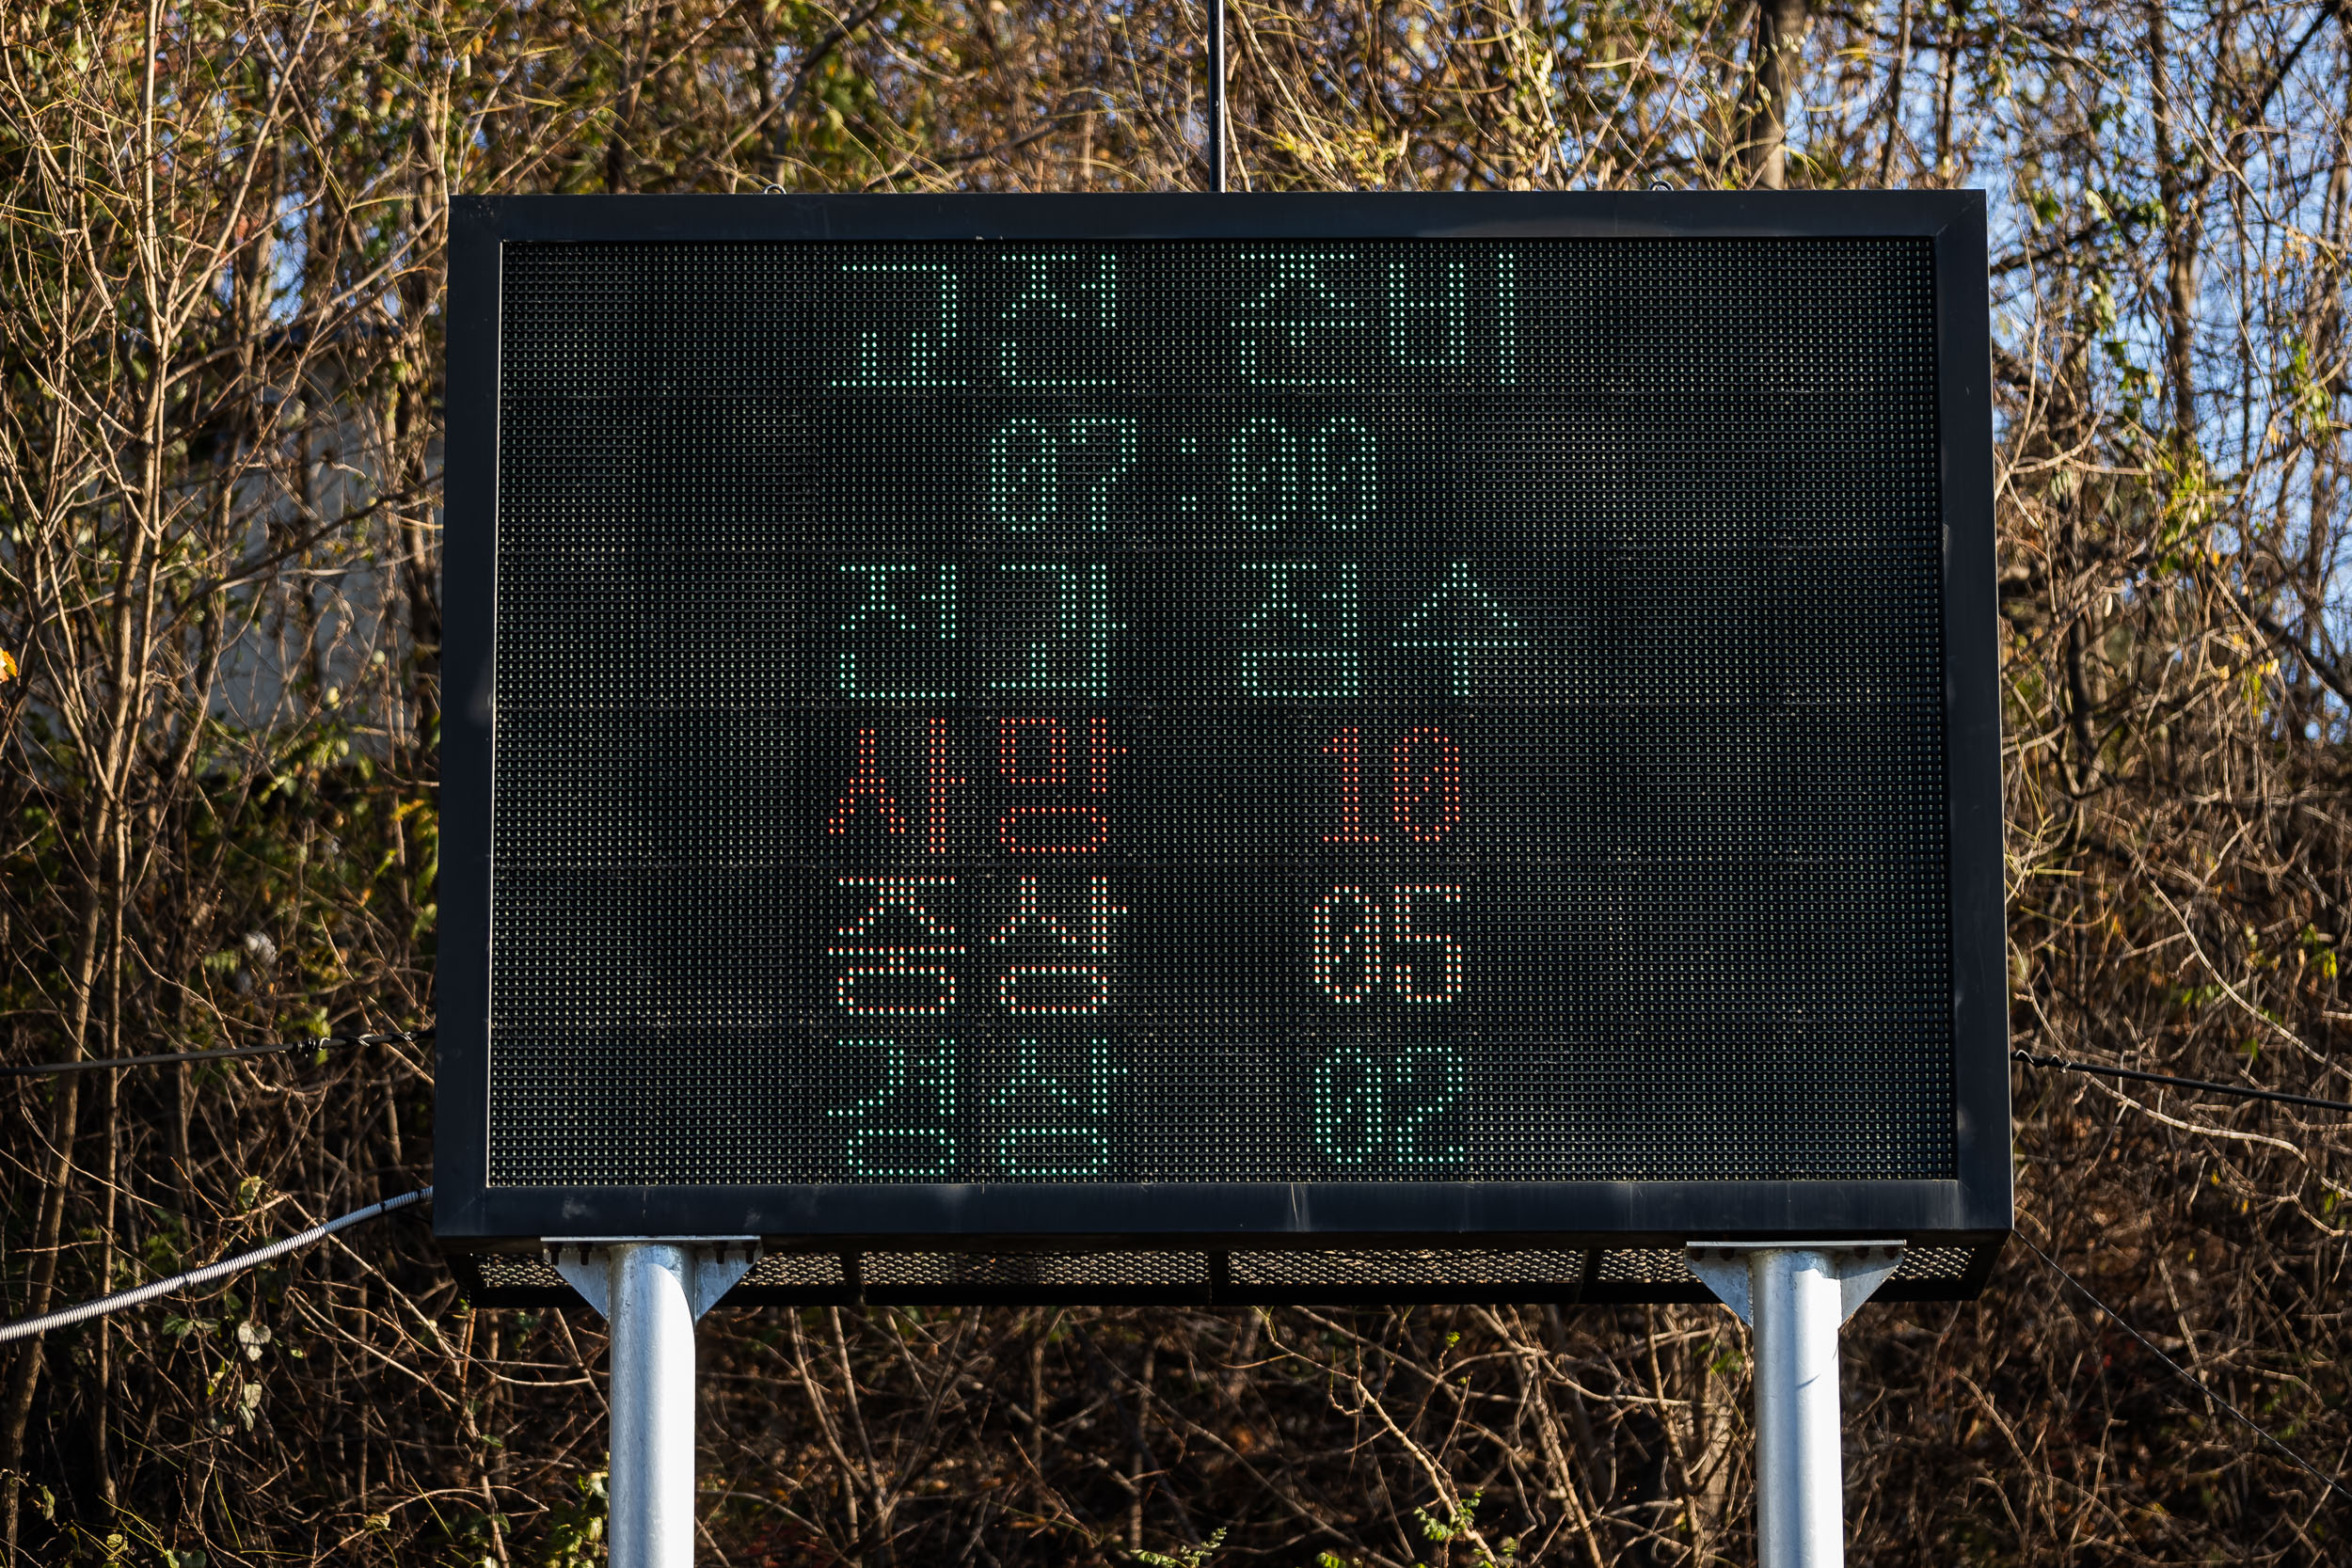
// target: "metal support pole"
[[1216, 96], [652, 1292], [652, 1523], [1796, 1296]]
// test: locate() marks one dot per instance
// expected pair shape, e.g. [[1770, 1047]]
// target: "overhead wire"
[[317, 1042], [2205, 1086], [24, 1328], [2185, 1375]]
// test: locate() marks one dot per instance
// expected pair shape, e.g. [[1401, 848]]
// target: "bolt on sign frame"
[[1102, 748]]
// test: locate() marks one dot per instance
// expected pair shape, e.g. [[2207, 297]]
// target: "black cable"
[[2206, 1085], [2182, 1373], [108, 1064]]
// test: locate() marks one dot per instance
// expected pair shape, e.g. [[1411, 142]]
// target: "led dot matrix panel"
[[1265, 722]]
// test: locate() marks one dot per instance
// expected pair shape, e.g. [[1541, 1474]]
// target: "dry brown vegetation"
[[220, 257]]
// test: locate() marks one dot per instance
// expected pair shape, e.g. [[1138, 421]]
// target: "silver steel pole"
[[652, 1290], [1796, 1295], [1799, 1303], [652, 1485]]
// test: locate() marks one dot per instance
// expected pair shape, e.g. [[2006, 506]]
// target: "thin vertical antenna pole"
[[1216, 96]]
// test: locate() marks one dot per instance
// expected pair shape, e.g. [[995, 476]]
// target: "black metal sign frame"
[[1974, 1210]]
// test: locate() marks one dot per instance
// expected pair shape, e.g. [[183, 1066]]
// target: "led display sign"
[[1177, 725]]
